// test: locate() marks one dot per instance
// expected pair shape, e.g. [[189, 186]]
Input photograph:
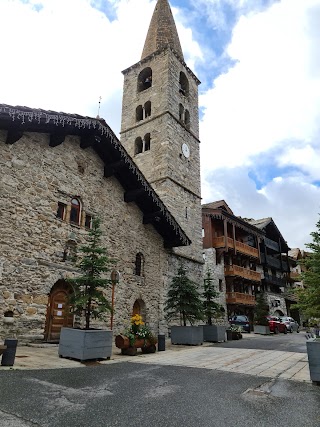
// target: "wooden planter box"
[[214, 333], [85, 344], [262, 330], [187, 335], [313, 350], [146, 346]]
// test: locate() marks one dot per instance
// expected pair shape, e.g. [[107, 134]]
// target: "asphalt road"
[[295, 342], [138, 395]]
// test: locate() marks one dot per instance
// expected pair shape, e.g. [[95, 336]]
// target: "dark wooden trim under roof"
[[97, 134], [232, 219]]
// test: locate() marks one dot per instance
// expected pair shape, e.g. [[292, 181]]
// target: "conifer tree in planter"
[[184, 301], [212, 310], [261, 311], [89, 302], [309, 300]]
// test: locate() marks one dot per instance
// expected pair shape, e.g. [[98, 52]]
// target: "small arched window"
[[138, 146], [187, 119], [147, 142], [75, 211], [147, 109], [181, 111], [145, 79], [183, 84], [139, 113], [139, 265]]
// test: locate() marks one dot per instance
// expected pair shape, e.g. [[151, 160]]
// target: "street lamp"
[[115, 277]]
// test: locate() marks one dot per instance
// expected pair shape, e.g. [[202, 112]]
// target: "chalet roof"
[[271, 230], [97, 134], [162, 31], [295, 253], [219, 204], [221, 210]]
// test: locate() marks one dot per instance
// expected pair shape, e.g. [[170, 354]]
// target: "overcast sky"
[[259, 63]]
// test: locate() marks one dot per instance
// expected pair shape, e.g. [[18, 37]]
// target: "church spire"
[[162, 31]]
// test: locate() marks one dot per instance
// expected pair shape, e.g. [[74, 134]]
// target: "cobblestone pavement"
[[264, 363]]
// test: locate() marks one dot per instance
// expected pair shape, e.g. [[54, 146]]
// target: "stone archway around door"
[[139, 307], [58, 311]]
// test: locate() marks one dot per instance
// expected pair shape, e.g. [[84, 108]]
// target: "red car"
[[276, 325]]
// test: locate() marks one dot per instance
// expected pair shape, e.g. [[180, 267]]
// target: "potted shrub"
[[234, 332], [89, 302], [138, 335], [261, 311], [184, 301], [309, 302], [212, 310]]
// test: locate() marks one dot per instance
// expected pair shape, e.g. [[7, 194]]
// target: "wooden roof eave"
[[97, 134], [221, 214]]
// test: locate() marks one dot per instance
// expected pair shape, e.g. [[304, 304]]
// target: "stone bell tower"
[[160, 126]]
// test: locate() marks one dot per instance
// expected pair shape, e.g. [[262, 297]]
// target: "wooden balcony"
[[235, 270], [295, 276], [238, 298], [219, 242]]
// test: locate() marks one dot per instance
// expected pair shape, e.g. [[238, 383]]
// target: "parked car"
[[242, 321], [276, 325], [291, 324]]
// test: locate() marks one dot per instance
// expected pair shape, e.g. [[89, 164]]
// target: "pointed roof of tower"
[[162, 31]]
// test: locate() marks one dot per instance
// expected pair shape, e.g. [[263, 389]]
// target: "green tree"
[[261, 310], [211, 308], [87, 299], [309, 297], [183, 299]]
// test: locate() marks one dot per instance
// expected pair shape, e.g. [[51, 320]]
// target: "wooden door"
[[58, 314]]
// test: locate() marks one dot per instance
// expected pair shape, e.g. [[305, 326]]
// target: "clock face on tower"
[[185, 150]]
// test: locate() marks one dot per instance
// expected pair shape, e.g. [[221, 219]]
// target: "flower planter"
[[229, 335], [236, 335], [262, 330], [313, 350], [85, 344], [187, 335], [127, 349], [214, 333]]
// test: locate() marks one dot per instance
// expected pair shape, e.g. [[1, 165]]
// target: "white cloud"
[[67, 54], [268, 95]]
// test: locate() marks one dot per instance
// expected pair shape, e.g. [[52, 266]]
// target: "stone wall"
[[217, 272], [175, 178], [34, 178]]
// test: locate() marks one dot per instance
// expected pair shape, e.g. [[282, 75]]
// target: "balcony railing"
[[271, 244], [269, 260], [274, 280], [219, 242], [236, 270], [238, 298]]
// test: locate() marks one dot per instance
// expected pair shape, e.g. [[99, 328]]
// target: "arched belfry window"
[[187, 119], [75, 212], [139, 265], [147, 142], [139, 113], [183, 84], [181, 112], [147, 109], [145, 79], [138, 146]]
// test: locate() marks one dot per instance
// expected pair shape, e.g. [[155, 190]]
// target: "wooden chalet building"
[[246, 256]]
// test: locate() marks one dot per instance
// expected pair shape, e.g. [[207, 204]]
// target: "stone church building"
[[58, 171]]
